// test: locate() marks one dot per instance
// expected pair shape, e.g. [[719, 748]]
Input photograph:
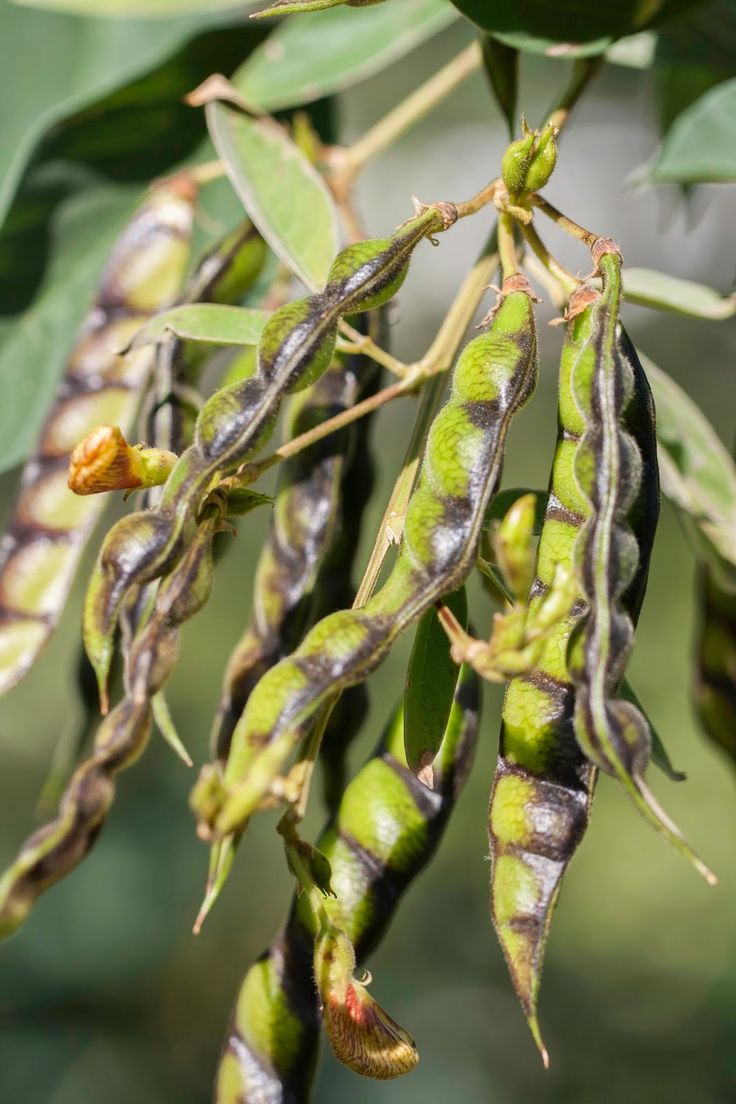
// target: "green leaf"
[[564, 27], [137, 132], [704, 37], [74, 62], [35, 348], [431, 679], [679, 86], [305, 59], [212, 323], [501, 67], [663, 292], [144, 9], [635, 51], [698, 473], [282, 192], [700, 146]]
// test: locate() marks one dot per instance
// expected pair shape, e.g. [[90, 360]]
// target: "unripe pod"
[[543, 160], [515, 163]]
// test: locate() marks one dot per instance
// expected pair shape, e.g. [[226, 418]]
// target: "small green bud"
[[515, 163], [513, 546], [543, 161]]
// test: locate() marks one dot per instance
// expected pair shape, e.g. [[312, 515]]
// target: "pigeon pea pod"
[[316, 487], [57, 848], [385, 830], [295, 349], [494, 376], [49, 525], [223, 275], [612, 469], [543, 783], [543, 786]]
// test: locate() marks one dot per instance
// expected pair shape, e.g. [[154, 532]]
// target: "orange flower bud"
[[362, 1035], [104, 461]]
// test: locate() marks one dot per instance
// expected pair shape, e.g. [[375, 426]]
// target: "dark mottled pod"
[[617, 474], [305, 518], [296, 347], [56, 849], [714, 686], [49, 525], [306, 562], [223, 275], [543, 786], [493, 378], [384, 832]]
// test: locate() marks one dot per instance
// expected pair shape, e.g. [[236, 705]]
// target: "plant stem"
[[416, 106], [362, 343], [562, 275], [567, 224], [506, 245]]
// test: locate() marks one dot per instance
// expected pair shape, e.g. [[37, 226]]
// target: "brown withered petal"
[[104, 461], [365, 1038]]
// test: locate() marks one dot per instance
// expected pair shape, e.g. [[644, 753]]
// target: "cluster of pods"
[[561, 642]]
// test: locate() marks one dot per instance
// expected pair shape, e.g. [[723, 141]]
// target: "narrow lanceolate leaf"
[[700, 146], [210, 323], [698, 473], [565, 22], [305, 59], [142, 9], [282, 192], [50, 524], [294, 7], [501, 65], [430, 685], [613, 470], [669, 293]]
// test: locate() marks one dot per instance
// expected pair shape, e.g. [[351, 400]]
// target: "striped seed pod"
[[295, 349], [543, 786], [226, 271], [385, 830], [613, 471], [57, 848], [49, 525], [308, 523], [493, 378]]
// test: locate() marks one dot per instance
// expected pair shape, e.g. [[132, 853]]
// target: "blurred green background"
[[105, 996]]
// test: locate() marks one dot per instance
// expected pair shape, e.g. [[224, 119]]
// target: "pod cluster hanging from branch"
[[293, 694]]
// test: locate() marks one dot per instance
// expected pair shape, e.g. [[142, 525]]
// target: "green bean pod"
[[50, 525], [296, 347], [714, 686], [613, 470], [57, 848], [543, 786], [307, 556], [493, 378], [223, 275], [386, 829]]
